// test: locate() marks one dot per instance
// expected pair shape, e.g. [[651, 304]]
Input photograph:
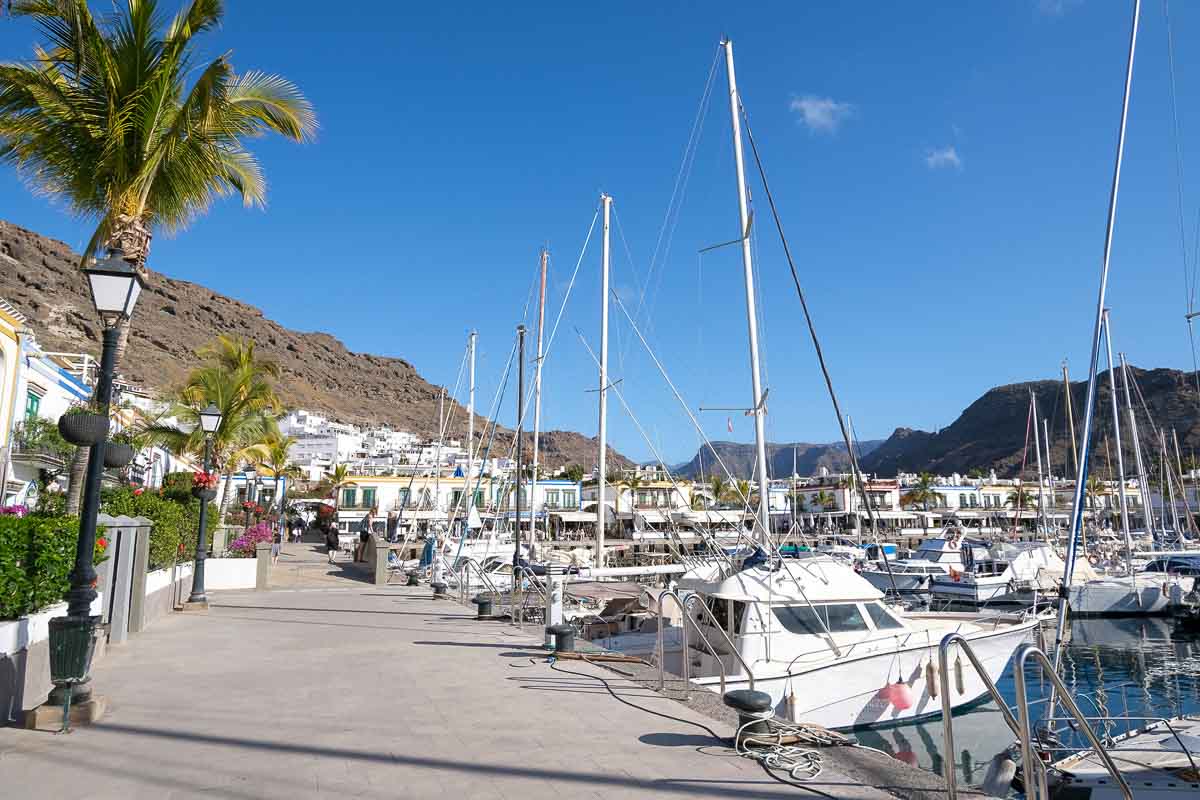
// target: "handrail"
[[662, 667], [732, 648], [948, 764], [465, 566], [1024, 653]]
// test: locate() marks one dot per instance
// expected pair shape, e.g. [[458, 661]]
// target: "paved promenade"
[[348, 690]]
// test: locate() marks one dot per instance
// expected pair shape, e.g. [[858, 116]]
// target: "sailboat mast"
[[1089, 404], [601, 479], [1116, 416], [471, 424], [1143, 480], [1037, 449], [758, 408], [1070, 420], [1052, 500], [537, 401]]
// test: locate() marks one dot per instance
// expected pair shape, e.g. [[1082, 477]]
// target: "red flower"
[[138, 491], [102, 543]]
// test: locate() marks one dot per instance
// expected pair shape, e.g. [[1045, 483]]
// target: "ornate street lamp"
[[250, 476], [115, 286], [210, 421]]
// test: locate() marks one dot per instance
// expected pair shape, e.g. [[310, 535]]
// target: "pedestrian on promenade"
[[276, 545], [331, 541], [364, 534], [393, 522]]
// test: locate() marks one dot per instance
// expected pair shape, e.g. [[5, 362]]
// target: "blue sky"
[[942, 172]]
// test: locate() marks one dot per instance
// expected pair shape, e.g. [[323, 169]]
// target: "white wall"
[[230, 573]]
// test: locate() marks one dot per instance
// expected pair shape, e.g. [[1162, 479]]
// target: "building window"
[[643, 498], [568, 499], [368, 497], [404, 497], [349, 497], [552, 499], [32, 403]]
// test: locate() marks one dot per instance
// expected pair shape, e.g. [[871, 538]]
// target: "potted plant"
[[204, 485], [118, 452], [81, 425]]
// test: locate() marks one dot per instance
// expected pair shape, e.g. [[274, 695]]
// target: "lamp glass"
[[115, 287], [210, 419]]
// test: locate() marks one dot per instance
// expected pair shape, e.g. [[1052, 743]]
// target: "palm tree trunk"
[[75, 479]]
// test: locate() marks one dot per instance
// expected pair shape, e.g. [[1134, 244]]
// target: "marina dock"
[[333, 687]]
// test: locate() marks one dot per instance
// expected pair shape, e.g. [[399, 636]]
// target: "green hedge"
[[37, 554], [175, 521]]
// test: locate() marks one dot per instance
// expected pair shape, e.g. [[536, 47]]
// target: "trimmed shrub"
[[37, 554], [173, 537]]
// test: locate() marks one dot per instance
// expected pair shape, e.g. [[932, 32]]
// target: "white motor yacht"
[[935, 557], [1159, 589], [819, 640], [1006, 571]]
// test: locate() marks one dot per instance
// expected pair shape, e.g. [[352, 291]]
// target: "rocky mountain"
[[41, 278], [990, 433], [739, 458]]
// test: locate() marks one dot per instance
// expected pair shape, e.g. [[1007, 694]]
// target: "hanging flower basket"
[[205, 495], [83, 429], [117, 454]]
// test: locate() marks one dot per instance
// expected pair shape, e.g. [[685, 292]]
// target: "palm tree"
[[922, 493], [339, 478], [631, 483], [1095, 489], [245, 395], [824, 499], [719, 488], [103, 120], [1020, 498], [743, 491], [797, 501], [277, 463]]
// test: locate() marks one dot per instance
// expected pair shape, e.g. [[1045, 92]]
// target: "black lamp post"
[[115, 285], [250, 495], [210, 421]]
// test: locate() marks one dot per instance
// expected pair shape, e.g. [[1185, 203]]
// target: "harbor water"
[[1126, 668]]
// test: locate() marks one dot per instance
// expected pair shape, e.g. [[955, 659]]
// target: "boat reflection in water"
[[1115, 667]]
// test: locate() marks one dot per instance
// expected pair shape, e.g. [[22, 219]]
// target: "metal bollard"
[[754, 711], [413, 580], [564, 638], [483, 607], [439, 590]]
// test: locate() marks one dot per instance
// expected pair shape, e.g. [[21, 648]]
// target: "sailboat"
[[810, 632]]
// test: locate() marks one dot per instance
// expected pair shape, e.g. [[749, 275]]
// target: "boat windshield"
[[838, 618]]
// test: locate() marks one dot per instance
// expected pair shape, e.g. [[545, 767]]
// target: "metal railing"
[[683, 611], [463, 575], [948, 764], [1024, 653], [1035, 769]]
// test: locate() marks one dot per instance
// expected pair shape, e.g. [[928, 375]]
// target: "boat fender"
[[902, 696], [931, 680], [958, 675], [997, 782], [791, 705], [1164, 589]]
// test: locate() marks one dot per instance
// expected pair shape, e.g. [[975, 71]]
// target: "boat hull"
[[970, 591], [1123, 597], [850, 693]]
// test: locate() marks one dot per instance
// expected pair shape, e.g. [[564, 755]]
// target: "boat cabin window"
[[882, 619], [720, 608], [839, 618]]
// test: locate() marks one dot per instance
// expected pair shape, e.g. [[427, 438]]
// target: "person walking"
[[393, 522], [331, 541], [364, 535], [276, 545]]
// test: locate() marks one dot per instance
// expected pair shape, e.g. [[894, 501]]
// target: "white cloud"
[[943, 157], [821, 114], [1056, 8]]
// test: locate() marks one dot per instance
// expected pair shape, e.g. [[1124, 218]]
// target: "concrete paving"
[[356, 691]]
